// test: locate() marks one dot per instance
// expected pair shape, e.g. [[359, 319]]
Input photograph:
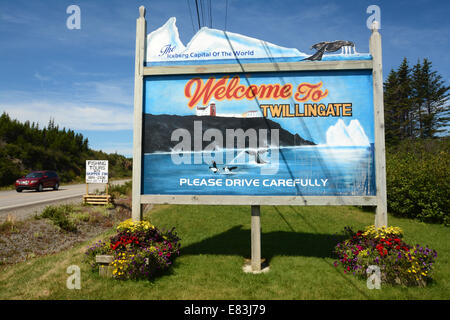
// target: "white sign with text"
[[96, 171]]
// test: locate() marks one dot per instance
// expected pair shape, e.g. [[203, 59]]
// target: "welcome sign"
[[291, 133], [232, 120], [229, 119]]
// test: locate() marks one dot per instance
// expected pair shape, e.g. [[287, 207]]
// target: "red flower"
[[114, 247]]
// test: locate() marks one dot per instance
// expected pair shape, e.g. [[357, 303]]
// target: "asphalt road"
[[12, 202]]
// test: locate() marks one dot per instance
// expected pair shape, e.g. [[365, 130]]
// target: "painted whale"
[[326, 46]]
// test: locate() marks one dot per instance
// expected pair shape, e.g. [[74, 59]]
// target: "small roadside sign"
[[96, 171]]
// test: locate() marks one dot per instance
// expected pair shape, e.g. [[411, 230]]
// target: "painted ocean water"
[[287, 171]]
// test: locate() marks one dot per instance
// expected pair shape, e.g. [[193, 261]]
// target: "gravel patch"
[[21, 240]]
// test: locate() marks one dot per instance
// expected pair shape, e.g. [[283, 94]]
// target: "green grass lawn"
[[297, 241]]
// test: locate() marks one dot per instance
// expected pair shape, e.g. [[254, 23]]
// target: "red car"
[[38, 180]]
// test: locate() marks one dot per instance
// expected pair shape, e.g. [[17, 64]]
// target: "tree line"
[[26, 146], [415, 103], [417, 143]]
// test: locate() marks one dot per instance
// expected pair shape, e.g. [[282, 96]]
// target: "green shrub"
[[418, 183], [117, 190], [59, 215], [77, 217]]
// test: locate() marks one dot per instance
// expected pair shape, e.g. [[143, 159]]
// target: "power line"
[[210, 14], [203, 13], [198, 16], [190, 13], [226, 14], [207, 13]]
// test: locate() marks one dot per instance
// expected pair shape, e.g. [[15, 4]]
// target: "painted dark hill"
[[157, 130]]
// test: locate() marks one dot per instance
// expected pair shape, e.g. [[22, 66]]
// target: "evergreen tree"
[[433, 99], [391, 117], [404, 106], [399, 120], [418, 97]]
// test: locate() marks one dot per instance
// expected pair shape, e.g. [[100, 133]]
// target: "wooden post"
[[104, 268], [380, 158], [87, 189], [141, 32], [256, 239]]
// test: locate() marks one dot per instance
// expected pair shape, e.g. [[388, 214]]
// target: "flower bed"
[[139, 250], [399, 262]]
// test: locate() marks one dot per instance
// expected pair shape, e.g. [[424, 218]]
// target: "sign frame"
[[375, 65]]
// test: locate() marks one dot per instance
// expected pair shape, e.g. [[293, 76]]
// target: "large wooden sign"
[[233, 120]]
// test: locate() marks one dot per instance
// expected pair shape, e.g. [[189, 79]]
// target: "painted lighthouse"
[[209, 110]]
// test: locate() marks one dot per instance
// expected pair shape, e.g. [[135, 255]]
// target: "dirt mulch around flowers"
[[23, 240]]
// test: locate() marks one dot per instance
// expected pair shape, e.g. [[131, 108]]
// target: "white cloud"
[[114, 92], [90, 105], [40, 77]]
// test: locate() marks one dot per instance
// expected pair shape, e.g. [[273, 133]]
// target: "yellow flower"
[[381, 232], [132, 226], [363, 253]]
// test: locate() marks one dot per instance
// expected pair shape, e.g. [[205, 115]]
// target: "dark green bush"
[[59, 215], [418, 183], [121, 189]]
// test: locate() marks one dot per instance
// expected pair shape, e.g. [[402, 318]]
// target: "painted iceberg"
[[210, 46], [164, 45], [351, 135]]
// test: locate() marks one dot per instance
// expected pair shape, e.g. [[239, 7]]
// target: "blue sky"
[[84, 79]]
